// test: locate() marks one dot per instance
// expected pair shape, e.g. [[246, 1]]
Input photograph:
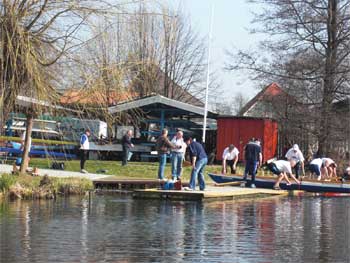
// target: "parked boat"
[[268, 182]]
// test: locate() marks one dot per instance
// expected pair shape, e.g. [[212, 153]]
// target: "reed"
[[28, 187], [6, 181]]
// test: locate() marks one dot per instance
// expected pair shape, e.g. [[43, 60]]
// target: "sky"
[[230, 29]]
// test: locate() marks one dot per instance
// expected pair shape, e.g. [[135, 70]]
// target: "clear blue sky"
[[231, 21]]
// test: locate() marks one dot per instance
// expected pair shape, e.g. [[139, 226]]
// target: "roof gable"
[[160, 100], [270, 91]]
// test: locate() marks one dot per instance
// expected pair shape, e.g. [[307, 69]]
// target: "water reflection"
[[119, 229]]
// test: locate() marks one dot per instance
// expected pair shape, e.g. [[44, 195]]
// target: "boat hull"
[[309, 186]]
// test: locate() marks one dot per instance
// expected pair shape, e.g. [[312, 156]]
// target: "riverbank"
[[41, 187], [140, 170], [71, 181]]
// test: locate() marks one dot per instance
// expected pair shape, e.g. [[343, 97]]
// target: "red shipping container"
[[239, 130]]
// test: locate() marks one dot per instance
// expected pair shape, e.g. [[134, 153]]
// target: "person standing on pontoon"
[[177, 155], [199, 160], [163, 146]]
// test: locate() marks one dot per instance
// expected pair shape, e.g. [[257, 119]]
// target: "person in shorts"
[[282, 169]]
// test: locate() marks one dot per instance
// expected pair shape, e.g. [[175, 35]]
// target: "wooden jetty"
[[151, 189], [128, 184], [211, 193]]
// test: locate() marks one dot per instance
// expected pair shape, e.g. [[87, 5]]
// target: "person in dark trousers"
[[295, 154], [84, 149], [127, 145], [199, 161], [253, 159], [230, 158]]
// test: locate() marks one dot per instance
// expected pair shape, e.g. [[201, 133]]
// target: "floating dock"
[[151, 189], [128, 184], [211, 193]]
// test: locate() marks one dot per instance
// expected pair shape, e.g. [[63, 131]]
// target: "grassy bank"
[[29, 187], [144, 170]]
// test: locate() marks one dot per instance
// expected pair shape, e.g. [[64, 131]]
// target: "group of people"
[[177, 149], [322, 168], [252, 156], [85, 146]]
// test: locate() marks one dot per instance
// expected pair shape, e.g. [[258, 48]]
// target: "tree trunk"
[[25, 155], [329, 81]]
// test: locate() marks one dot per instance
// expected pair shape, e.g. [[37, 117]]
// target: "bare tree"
[[301, 32], [35, 35], [167, 54]]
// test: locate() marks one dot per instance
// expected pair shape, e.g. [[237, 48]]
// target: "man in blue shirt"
[[199, 161], [253, 159]]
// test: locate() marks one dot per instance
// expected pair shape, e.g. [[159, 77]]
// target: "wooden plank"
[[208, 195], [229, 184]]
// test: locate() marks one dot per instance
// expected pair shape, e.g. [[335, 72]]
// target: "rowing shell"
[[268, 182]]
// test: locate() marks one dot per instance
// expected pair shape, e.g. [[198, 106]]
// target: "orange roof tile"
[[96, 97]]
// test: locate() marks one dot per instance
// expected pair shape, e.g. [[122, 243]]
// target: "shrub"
[[6, 181]]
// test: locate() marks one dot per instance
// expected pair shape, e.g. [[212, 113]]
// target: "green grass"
[[145, 170], [29, 187], [142, 170], [6, 181]]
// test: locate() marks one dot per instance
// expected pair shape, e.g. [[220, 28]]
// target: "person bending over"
[[230, 157], [282, 169]]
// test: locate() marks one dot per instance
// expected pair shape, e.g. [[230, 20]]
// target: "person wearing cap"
[[199, 161], [230, 157], [295, 154], [253, 159], [282, 169], [84, 149], [177, 155]]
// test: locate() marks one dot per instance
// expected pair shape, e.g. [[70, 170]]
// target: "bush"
[[6, 181]]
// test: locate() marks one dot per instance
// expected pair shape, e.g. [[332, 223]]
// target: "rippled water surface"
[[120, 229]]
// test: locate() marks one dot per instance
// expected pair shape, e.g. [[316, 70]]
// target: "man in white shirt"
[[84, 149], [230, 157], [295, 154], [330, 167], [177, 155], [282, 169], [323, 167]]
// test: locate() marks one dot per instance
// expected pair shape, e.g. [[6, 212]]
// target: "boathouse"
[[239, 130]]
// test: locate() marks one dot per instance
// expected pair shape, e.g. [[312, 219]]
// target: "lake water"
[[120, 229]]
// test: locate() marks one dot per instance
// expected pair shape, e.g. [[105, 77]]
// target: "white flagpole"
[[208, 74]]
